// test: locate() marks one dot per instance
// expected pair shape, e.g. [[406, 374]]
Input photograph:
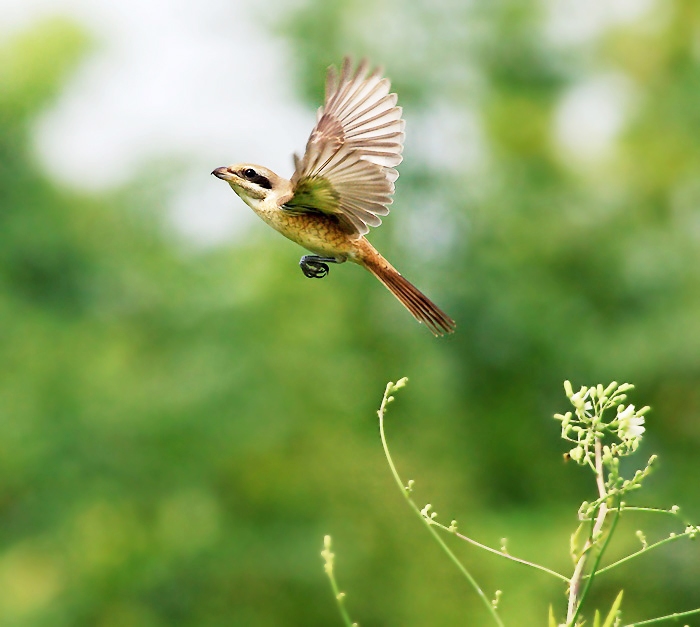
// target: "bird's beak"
[[223, 173]]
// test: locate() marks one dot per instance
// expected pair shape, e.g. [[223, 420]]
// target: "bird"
[[341, 185]]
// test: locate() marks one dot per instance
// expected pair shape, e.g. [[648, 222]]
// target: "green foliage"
[[612, 614], [33, 66]]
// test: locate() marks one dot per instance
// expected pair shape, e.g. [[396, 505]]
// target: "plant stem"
[[594, 569], [674, 617], [578, 576], [328, 557], [426, 521], [507, 556], [644, 550], [339, 600]]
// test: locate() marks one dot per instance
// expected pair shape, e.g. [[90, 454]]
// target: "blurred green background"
[[181, 425]]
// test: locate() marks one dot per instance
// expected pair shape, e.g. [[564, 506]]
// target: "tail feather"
[[420, 306]]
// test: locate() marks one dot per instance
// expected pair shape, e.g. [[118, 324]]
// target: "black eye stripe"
[[254, 177], [263, 181]]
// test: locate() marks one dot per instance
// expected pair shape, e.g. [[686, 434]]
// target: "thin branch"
[[382, 410], [594, 569], [577, 578], [501, 553], [675, 616], [329, 557], [644, 550]]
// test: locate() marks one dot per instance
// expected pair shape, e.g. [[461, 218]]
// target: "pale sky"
[[197, 82], [206, 84]]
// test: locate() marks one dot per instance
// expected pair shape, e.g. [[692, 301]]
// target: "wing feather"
[[354, 148]]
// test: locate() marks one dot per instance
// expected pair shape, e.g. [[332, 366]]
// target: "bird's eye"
[[254, 177]]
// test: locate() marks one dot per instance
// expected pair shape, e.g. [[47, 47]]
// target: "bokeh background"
[[183, 415]]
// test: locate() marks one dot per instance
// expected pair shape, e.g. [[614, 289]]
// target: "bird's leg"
[[315, 267]]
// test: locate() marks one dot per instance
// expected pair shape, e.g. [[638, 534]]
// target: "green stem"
[[655, 510], [652, 510], [429, 524], [643, 550], [339, 596], [594, 572], [675, 616], [341, 606], [575, 595], [501, 553]]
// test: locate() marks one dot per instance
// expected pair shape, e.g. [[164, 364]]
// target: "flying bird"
[[341, 186]]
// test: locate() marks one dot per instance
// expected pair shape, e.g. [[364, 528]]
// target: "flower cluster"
[[601, 414]]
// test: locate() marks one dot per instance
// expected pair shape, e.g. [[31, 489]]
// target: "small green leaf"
[[610, 620], [596, 619], [552, 620]]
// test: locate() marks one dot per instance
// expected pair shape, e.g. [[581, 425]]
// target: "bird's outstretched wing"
[[348, 167]]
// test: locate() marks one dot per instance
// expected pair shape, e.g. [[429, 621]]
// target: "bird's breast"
[[321, 234]]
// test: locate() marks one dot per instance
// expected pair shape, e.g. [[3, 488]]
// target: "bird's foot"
[[315, 267]]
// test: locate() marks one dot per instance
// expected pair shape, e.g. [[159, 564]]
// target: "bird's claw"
[[313, 269]]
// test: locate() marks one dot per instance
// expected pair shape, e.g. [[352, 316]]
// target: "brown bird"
[[341, 185]]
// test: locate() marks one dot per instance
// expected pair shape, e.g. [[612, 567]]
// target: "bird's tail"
[[420, 306]]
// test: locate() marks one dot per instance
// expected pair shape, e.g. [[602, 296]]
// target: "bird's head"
[[253, 183]]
